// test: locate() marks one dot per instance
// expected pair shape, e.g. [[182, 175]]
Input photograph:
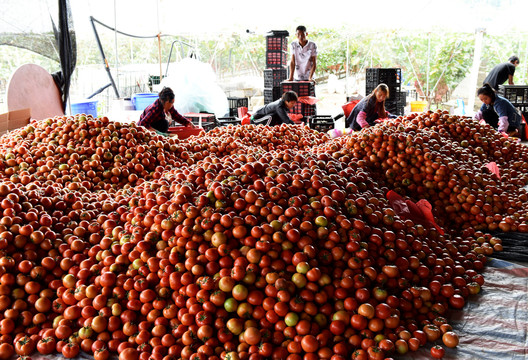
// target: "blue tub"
[[141, 101], [88, 107]]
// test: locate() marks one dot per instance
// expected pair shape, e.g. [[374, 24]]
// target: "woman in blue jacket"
[[370, 109], [498, 111]]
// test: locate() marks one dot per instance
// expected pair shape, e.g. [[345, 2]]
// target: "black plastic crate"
[[274, 77], [230, 120], [395, 108], [235, 103], [205, 120], [275, 59], [302, 88], [276, 43], [208, 126], [395, 92], [389, 76], [524, 110], [516, 94], [271, 94], [321, 123], [283, 33], [303, 109]]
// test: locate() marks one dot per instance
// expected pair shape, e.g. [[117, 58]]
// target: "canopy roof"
[[147, 17]]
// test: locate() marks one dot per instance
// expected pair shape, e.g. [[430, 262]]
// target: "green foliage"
[[450, 54], [447, 57]]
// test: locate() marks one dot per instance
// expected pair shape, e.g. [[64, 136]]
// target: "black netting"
[[65, 38], [26, 26], [43, 44]]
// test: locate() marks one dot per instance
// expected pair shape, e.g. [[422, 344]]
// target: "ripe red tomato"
[[437, 352], [70, 350], [6, 351], [46, 345], [24, 346], [309, 344]]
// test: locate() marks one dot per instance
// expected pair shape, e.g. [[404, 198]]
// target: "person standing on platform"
[[502, 72], [304, 57]]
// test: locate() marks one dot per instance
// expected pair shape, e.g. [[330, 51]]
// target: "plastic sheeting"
[[195, 88], [515, 246], [494, 323]]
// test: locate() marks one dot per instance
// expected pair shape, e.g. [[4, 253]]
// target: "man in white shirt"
[[304, 57]]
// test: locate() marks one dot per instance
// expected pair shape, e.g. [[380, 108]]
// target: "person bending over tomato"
[[370, 109]]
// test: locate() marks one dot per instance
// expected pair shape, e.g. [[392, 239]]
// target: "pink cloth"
[[503, 123], [362, 119], [310, 100], [492, 166]]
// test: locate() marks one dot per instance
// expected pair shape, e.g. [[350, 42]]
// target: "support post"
[[101, 51], [479, 37]]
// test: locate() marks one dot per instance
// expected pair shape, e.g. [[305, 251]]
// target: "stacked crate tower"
[[395, 103], [276, 64]]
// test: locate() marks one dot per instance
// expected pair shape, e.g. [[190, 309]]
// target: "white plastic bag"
[[195, 88]]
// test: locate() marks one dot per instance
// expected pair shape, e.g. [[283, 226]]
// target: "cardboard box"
[[14, 120]]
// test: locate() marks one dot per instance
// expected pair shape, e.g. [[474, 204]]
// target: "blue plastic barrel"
[[88, 107], [141, 101]]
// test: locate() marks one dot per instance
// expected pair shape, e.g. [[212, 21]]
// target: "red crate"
[[275, 59], [184, 132], [196, 117], [276, 43], [304, 109], [301, 88]]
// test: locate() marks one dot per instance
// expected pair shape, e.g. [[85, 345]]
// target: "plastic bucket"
[[127, 104], [141, 101], [418, 106], [88, 107]]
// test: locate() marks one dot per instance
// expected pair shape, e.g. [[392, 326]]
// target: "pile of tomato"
[[247, 243]]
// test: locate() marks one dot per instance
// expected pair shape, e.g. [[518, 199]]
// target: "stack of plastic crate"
[[276, 64], [392, 77]]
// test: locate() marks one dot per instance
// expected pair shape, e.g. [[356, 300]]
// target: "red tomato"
[[25, 346], [450, 339], [437, 352], [46, 345], [70, 350]]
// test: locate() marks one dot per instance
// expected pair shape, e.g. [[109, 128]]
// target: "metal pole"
[[116, 51], [447, 65], [410, 62], [101, 51], [159, 50], [428, 63], [479, 37], [159, 38], [346, 69]]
